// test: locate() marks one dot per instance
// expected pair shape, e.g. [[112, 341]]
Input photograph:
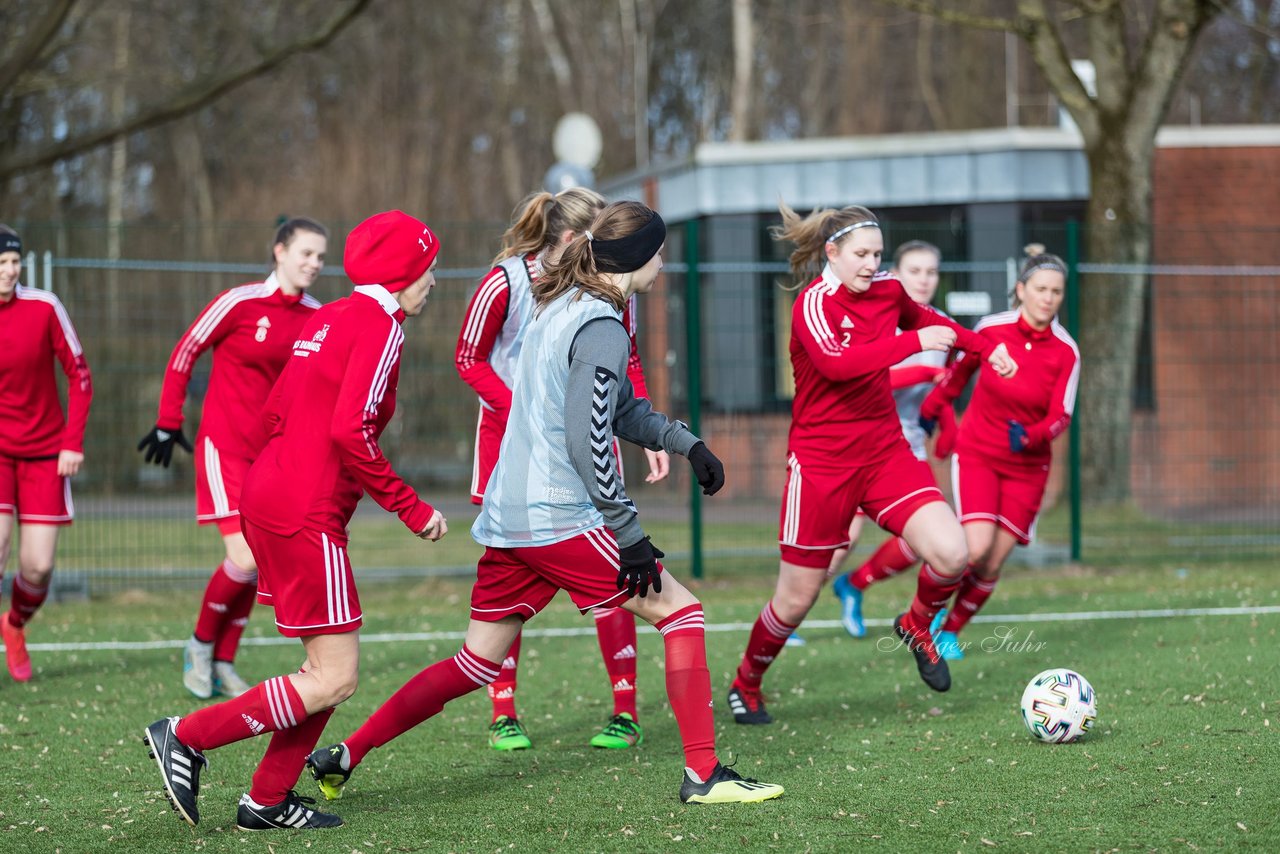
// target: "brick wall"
[[1213, 441]]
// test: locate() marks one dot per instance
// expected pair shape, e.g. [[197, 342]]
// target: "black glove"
[[638, 568], [1017, 437], [159, 445], [928, 425], [707, 468]]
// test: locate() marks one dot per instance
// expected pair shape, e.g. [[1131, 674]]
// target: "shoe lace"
[[621, 727], [505, 727], [727, 771], [294, 797]]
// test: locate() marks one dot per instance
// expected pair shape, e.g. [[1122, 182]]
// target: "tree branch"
[[1174, 29], [33, 42], [951, 16], [1236, 15], [1110, 55], [1050, 55], [192, 98]]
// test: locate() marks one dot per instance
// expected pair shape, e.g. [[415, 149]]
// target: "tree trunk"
[[1118, 233], [743, 66]]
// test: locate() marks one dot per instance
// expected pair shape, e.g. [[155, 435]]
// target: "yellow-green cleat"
[[726, 786], [326, 767], [619, 734], [507, 733]]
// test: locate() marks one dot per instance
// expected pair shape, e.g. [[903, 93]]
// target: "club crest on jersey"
[[264, 324], [306, 348], [846, 323]]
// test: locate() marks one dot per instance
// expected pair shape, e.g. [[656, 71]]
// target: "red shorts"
[[1000, 491], [219, 479], [34, 492], [489, 430], [819, 501], [307, 578], [524, 580]]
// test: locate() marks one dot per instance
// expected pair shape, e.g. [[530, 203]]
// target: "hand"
[[436, 528], [69, 463], [707, 468], [659, 465], [1017, 437], [1002, 362], [941, 338], [928, 425], [638, 568], [159, 445]]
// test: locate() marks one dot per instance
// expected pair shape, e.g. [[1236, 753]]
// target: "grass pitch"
[[1184, 754]]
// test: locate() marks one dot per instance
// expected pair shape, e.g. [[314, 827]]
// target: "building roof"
[[894, 170]]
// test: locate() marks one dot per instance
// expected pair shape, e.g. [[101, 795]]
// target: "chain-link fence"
[[1202, 481]]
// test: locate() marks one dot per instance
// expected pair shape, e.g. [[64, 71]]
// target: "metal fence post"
[[47, 280], [1073, 326], [693, 379]]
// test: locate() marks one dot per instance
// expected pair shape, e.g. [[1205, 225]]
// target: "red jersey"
[[1040, 396], [486, 326], [842, 347], [324, 417], [251, 329], [35, 330]]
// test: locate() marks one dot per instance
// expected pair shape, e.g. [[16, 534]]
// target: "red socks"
[[421, 697], [222, 594], [228, 642], [285, 758], [616, 633], [768, 636], [689, 686], [268, 707], [933, 591], [26, 600], [502, 691], [893, 556], [972, 595]]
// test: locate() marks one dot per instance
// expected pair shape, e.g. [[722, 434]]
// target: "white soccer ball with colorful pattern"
[[1059, 706]]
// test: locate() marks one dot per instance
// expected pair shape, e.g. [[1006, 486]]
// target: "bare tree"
[[39, 44], [1136, 79]]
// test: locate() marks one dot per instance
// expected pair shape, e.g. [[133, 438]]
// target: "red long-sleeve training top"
[[35, 330], [324, 416], [1040, 396], [842, 347]]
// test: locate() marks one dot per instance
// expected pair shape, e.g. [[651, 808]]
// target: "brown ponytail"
[[540, 219], [811, 233]]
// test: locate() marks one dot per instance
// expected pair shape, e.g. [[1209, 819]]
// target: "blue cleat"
[[850, 606], [948, 646], [938, 619], [796, 640]]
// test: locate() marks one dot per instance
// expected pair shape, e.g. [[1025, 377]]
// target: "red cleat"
[[15, 650]]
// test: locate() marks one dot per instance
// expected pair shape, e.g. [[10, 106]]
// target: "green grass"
[[1184, 754]]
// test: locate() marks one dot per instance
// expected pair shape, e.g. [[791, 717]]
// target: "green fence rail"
[[1204, 480]]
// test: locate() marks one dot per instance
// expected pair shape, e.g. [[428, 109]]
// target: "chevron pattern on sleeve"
[[601, 439]]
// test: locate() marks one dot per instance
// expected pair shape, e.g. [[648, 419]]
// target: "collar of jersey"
[[1031, 332], [381, 296]]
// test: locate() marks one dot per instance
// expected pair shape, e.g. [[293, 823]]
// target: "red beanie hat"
[[391, 249]]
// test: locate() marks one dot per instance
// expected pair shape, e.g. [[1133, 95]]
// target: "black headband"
[[630, 253], [10, 243]]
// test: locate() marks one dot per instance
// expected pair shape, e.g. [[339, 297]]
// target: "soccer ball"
[[1059, 706]]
